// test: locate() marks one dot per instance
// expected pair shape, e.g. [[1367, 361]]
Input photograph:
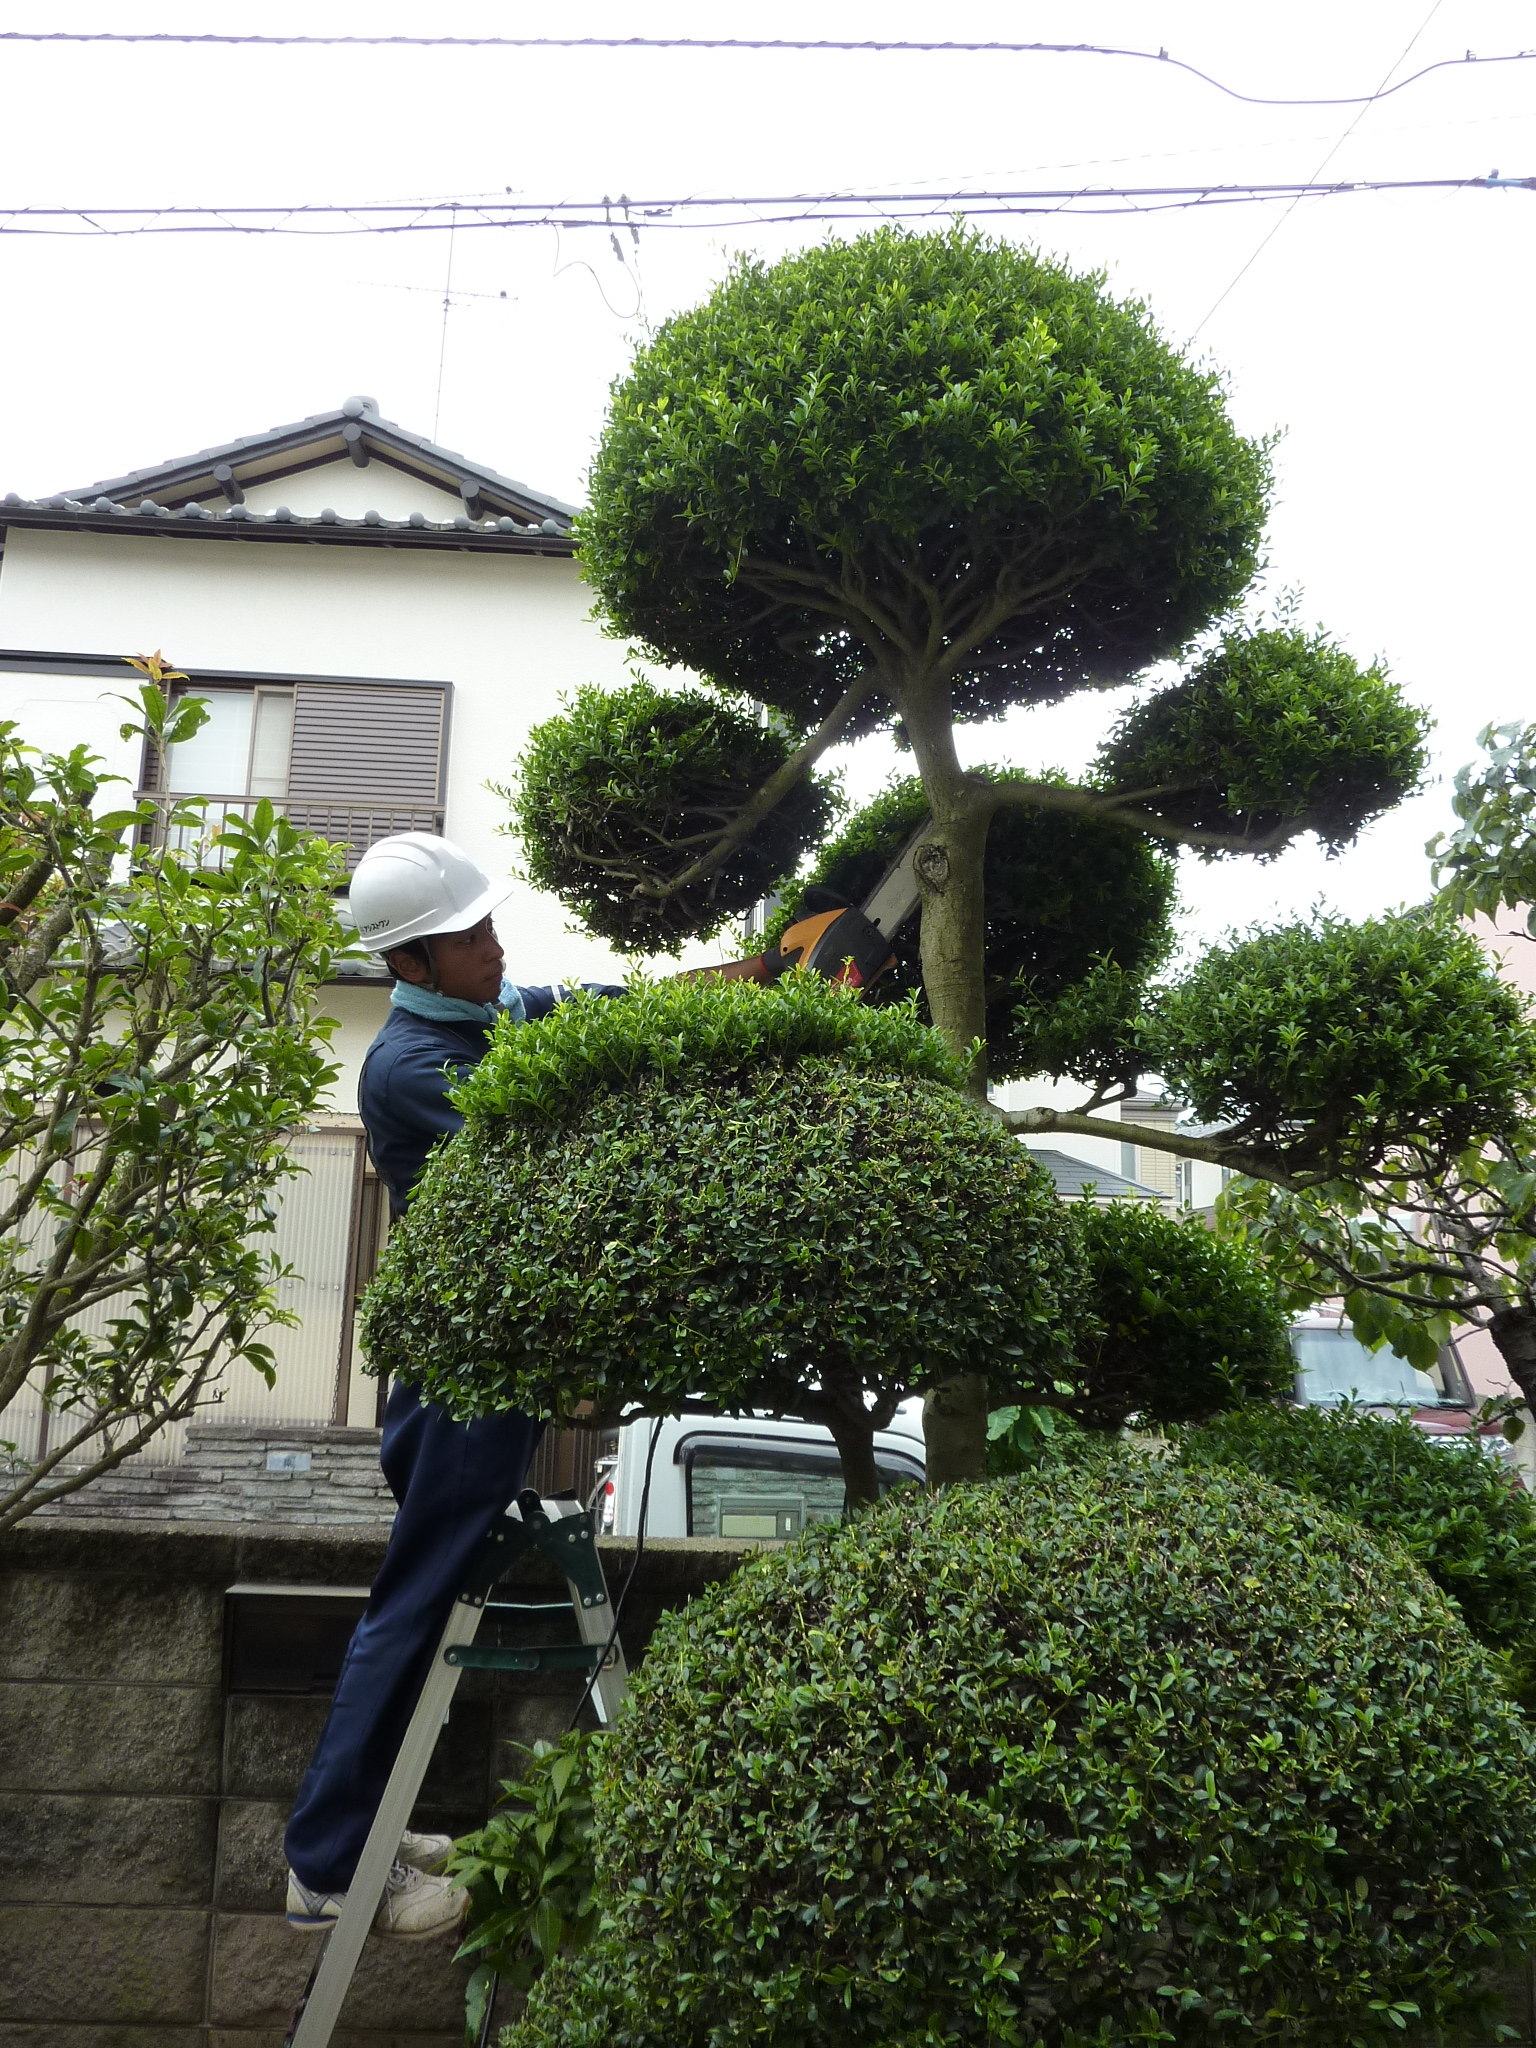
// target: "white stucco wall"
[[512, 634], [350, 491]]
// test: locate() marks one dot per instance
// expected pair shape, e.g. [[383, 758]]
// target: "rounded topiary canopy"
[[1332, 1044], [644, 777], [1061, 892], [1448, 1503], [1110, 1754], [799, 474], [727, 1192], [1270, 726], [1187, 1324]]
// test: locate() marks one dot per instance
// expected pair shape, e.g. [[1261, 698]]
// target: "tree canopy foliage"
[[1270, 726], [773, 1198], [1113, 1753], [866, 447], [1322, 1050], [159, 1045], [1183, 1325], [645, 776]]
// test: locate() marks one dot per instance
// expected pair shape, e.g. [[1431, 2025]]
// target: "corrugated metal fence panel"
[[367, 744], [314, 1235]]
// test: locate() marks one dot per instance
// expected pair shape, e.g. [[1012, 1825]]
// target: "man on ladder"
[[424, 905]]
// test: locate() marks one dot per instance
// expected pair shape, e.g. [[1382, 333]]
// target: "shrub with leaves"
[[1224, 1770], [1270, 724], [746, 1196], [1452, 1508], [1184, 1324], [157, 986], [639, 774], [529, 1873]]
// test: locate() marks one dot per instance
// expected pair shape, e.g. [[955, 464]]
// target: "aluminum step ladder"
[[560, 1530]]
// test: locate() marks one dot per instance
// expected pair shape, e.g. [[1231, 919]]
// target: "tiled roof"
[[499, 514], [1074, 1177]]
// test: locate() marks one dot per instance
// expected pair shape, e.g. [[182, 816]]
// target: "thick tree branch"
[[771, 793], [1258, 1162], [1112, 809]]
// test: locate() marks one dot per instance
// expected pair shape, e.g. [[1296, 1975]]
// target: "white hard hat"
[[414, 884]]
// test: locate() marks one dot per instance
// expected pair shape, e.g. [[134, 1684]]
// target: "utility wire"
[[850, 47], [1327, 160], [759, 210]]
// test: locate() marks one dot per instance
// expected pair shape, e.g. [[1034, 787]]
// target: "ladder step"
[[497, 1657]]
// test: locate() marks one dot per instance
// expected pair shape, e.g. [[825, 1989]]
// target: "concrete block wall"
[[142, 1803]]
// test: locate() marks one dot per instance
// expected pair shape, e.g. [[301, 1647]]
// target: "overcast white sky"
[[1387, 336]]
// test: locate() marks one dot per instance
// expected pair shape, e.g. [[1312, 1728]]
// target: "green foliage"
[[639, 781], [1184, 1324], [1062, 892], [690, 1032], [160, 1045], [754, 1196], [1275, 731], [1115, 1753], [1489, 862], [530, 1873], [794, 472], [1453, 1509], [1327, 1046], [1093, 1031]]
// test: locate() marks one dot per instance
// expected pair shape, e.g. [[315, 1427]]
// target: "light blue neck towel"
[[426, 1002]]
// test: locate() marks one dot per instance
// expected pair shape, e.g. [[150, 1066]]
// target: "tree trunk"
[[950, 866], [855, 1439], [1513, 1331], [955, 1429]]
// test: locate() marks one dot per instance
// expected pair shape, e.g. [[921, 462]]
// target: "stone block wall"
[[142, 1802], [264, 1474]]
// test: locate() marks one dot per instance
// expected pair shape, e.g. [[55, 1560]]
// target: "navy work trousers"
[[452, 1479]]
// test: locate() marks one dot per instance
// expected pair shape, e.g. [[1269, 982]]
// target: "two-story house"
[[376, 622]]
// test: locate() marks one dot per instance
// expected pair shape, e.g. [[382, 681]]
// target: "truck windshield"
[[1334, 1366]]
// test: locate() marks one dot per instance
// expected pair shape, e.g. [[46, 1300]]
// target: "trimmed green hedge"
[[1453, 1509], [1187, 1324], [1117, 1753], [742, 1195]]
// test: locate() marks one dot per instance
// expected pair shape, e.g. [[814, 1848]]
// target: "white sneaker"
[[415, 1906], [424, 1852]]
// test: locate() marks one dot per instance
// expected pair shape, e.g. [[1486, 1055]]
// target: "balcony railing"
[[352, 825]]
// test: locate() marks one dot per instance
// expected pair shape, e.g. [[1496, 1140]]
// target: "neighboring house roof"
[[1075, 1177], [170, 498]]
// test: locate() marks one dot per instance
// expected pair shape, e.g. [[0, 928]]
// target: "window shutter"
[[366, 761]]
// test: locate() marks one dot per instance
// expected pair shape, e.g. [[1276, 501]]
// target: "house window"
[[351, 761], [241, 752]]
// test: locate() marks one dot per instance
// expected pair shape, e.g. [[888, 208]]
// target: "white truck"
[[747, 1476]]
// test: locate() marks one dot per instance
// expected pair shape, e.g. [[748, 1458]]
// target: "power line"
[[828, 45], [1327, 160], [695, 211]]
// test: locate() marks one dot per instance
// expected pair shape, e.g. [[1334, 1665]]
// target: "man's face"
[[469, 964]]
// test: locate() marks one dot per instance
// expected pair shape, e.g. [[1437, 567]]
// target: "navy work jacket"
[[402, 1095]]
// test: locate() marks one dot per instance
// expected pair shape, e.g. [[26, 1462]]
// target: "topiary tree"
[[1436, 1238], [1452, 1508], [915, 481], [1227, 1770], [1183, 1326], [741, 1196]]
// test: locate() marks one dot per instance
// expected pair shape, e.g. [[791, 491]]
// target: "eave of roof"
[[503, 535]]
